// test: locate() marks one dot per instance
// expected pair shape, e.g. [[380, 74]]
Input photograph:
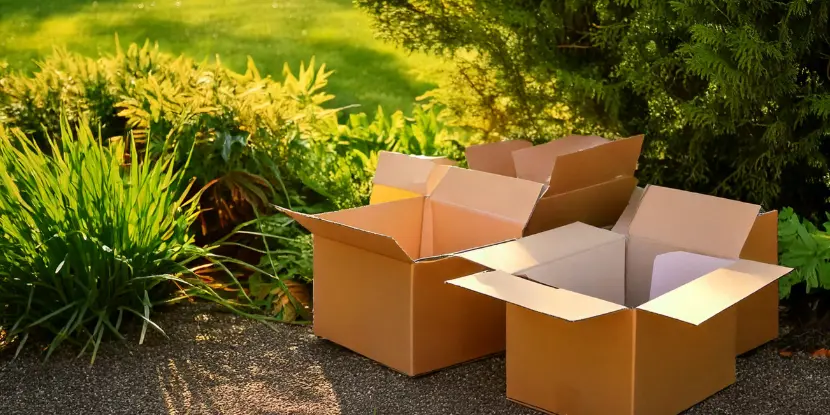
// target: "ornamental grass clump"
[[87, 238]]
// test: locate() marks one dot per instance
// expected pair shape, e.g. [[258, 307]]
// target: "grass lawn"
[[367, 71]]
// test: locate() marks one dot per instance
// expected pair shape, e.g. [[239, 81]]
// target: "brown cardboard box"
[[598, 323], [758, 314], [379, 270], [589, 179], [401, 176]]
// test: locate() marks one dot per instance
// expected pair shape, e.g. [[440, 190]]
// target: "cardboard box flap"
[[507, 198], [554, 302], [707, 296], [762, 243], [373, 242], [537, 163], [517, 256], [624, 222], [407, 172], [594, 165], [496, 158], [693, 222]]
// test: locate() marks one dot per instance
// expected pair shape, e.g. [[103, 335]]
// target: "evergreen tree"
[[732, 95]]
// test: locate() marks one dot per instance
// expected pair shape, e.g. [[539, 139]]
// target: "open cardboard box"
[[402, 176], [379, 270], [601, 323], [754, 240], [589, 179]]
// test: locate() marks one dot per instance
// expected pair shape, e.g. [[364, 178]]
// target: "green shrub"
[[805, 248], [256, 140], [253, 140], [86, 239], [77, 87], [732, 96]]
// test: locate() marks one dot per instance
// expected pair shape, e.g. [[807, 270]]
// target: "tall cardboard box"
[[379, 270], [598, 323], [402, 176], [758, 314], [589, 179]]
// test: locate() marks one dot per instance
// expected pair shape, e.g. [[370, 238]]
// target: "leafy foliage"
[[805, 248], [732, 96], [86, 239], [252, 142]]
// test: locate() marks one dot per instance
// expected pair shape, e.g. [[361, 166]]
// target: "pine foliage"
[[733, 95]]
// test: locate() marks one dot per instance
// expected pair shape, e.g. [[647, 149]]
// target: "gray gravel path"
[[216, 363]]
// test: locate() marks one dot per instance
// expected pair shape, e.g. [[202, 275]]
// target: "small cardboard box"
[[598, 324], [402, 176], [757, 314], [589, 179], [379, 270]]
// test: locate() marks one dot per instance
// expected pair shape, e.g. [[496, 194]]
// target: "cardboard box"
[[598, 323], [758, 314], [379, 270], [402, 176], [589, 179]]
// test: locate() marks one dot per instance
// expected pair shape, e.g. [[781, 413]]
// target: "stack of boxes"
[[608, 298]]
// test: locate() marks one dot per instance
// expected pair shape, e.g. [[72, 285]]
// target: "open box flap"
[[762, 243], [517, 256], [707, 296], [594, 165], [624, 222], [398, 175], [554, 302], [693, 222], [507, 198], [536, 163], [372, 242], [496, 158]]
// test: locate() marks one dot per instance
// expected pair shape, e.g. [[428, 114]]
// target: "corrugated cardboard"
[[691, 221], [576, 342], [379, 270], [401, 176], [588, 178]]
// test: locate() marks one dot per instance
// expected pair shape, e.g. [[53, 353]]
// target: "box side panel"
[[452, 325], [455, 229], [677, 365], [598, 272], [758, 313], [362, 302], [600, 205], [496, 158], [639, 264], [577, 368]]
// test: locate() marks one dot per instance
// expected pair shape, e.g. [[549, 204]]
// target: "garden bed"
[[217, 362]]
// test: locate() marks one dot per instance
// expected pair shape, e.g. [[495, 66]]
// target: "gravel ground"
[[216, 363]]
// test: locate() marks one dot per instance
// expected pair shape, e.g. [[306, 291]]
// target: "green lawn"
[[367, 71]]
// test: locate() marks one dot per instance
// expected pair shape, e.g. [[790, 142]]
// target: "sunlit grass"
[[368, 71]]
